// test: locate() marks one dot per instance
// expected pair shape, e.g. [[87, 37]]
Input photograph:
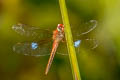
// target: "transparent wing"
[[84, 28], [43, 49], [31, 31], [38, 49], [33, 48], [81, 39], [88, 43], [78, 44]]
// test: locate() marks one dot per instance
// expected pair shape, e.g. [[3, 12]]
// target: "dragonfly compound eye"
[[60, 27]]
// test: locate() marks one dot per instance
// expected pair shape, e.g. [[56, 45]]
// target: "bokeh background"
[[102, 63]]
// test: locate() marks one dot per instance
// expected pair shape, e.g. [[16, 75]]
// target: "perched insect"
[[42, 47]]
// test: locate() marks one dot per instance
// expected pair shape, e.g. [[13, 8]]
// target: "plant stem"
[[69, 40]]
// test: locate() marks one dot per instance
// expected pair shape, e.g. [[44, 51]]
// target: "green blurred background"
[[102, 63]]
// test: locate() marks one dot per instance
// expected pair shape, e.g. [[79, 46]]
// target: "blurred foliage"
[[102, 63]]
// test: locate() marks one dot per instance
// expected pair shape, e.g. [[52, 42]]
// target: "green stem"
[[69, 40]]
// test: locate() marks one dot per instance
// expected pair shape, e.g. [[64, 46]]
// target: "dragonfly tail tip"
[[46, 72]]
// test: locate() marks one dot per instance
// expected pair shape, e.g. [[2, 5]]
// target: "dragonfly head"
[[60, 27]]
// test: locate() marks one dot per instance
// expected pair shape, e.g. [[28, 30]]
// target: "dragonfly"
[[42, 47]]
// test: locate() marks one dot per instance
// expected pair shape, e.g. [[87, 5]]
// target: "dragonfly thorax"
[[59, 36]]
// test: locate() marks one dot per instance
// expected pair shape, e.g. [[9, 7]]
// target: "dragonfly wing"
[[31, 31], [84, 28], [80, 37], [87, 43], [91, 26], [32, 48], [78, 44]]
